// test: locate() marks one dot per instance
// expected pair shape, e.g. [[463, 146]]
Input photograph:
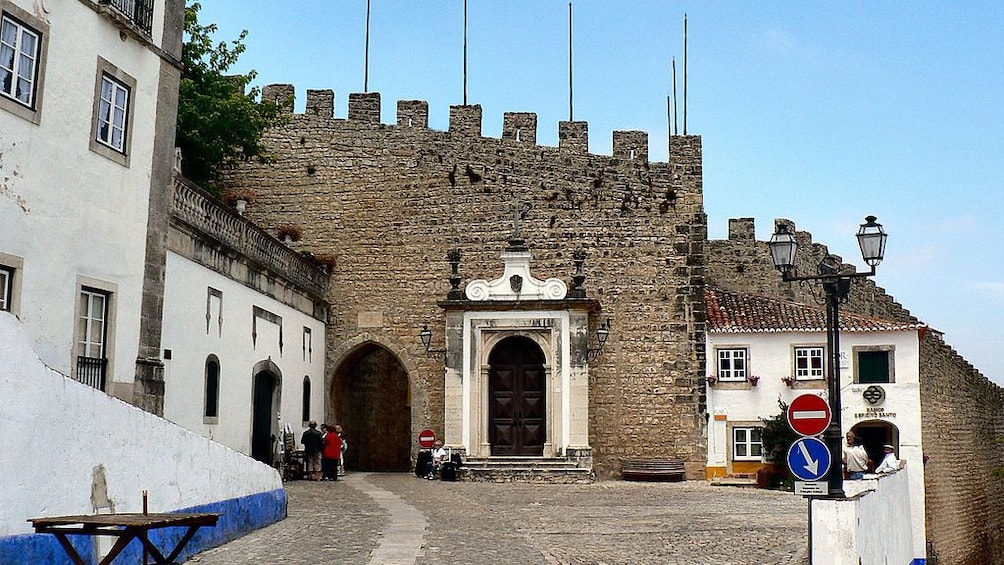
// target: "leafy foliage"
[[777, 436], [219, 123]]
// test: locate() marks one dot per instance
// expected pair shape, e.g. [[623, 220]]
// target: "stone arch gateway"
[[370, 397]]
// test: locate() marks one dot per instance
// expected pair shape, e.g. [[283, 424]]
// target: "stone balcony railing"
[[210, 217]]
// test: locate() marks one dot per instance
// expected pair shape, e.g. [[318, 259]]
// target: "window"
[[113, 111], [6, 288], [873, 366], [808, 363], [732, 364], [306, 400], [746, 444], [92, 324], [23, 44], [19, 47], [212, 402]]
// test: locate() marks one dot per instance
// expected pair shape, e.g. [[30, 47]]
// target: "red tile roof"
[[733, 312]]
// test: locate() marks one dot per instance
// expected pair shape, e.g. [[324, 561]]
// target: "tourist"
[[855, 458], [331, 454], [889, 464], [313, 442]]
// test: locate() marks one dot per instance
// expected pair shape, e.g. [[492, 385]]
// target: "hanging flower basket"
[[290, 232], [712, 379], [790, 381], [753, 379]]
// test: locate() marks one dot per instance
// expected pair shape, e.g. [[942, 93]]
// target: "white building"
[[761, 350], [88, 95], [244, 329]]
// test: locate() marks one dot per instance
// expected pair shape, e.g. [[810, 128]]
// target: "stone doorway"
[[264, 426], [874, 434], [517, 407], [371, 399]]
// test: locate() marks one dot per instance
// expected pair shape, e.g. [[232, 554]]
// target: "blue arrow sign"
[[809, 459]]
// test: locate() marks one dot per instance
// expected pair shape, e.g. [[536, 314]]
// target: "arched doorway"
[[874, 434], [371, 399], [264, 425], [517, 397]]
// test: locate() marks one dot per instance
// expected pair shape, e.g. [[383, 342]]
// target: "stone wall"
[[743, 264], [390, 200], [963, 427]]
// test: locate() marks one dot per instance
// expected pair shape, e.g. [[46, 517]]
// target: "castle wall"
[[963, 427], [391, 200]]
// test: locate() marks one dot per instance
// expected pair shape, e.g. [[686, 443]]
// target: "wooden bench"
[[652, 469]]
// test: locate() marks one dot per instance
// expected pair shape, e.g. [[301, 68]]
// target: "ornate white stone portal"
[[518, 305]]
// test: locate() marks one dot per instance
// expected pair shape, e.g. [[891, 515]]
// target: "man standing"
[[855, 458], [313, 443]]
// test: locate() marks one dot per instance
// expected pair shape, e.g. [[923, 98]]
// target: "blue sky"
[[820, 112]]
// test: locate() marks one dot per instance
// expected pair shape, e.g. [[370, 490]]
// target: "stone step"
[[524, 469]]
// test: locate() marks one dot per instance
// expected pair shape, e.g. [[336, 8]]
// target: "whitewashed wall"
[[185, 334], [69, 212], [866, 529], [61, 434]]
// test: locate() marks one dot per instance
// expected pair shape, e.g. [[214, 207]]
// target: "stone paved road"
[[400, 519]]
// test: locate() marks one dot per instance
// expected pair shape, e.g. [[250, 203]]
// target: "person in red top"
[[330, 455]]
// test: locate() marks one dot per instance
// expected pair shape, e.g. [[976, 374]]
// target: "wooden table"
[[126, 527]]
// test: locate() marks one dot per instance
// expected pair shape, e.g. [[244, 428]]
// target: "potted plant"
[[712, 379], [753, 379], [239, 198], [789, 380], [289, 233]]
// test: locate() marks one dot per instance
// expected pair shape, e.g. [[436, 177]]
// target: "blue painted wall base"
[[239, 517]]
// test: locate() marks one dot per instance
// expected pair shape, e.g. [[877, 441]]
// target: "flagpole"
[[366, 65], [684, 74], [676, 116], [465, 52], [570, 113]]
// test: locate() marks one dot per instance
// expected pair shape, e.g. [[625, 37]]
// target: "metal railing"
[[91, 371], [139, 12]]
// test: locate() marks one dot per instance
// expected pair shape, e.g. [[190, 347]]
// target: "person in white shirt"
[[855, 458], [889, 463], [439, 455]]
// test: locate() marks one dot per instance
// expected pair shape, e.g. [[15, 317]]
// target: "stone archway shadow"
[[370, 393]]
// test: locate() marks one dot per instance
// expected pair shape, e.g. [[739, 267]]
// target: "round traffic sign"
[[427, 438], [809, 414], [809, 459]]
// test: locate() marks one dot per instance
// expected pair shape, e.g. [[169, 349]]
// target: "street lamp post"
[[836, 286]]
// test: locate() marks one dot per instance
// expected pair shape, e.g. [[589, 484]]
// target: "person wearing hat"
[[889, 463]]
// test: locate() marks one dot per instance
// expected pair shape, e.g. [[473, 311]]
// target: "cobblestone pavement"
[[376, 518]]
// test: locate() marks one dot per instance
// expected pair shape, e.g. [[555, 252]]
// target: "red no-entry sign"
[[809, 415], [427, 438]]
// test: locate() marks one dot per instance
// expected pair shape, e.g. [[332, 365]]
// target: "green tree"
[[777, 436], [220, 122]]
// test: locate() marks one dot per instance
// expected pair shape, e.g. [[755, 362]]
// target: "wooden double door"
[[517, 399]]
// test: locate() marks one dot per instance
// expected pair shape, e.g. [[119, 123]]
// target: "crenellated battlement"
[[467, 120]]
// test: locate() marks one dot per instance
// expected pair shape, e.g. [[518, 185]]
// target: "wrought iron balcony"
[[137, 12], [91, 371]]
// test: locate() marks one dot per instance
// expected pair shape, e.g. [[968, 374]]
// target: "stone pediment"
[[516, 283]]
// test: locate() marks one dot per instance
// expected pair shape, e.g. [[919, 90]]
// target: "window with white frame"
[[6, 288], [20, 46], [23, 46], [747, 444], [91, 324], [113, 111], [808, 363], [732, 364]]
